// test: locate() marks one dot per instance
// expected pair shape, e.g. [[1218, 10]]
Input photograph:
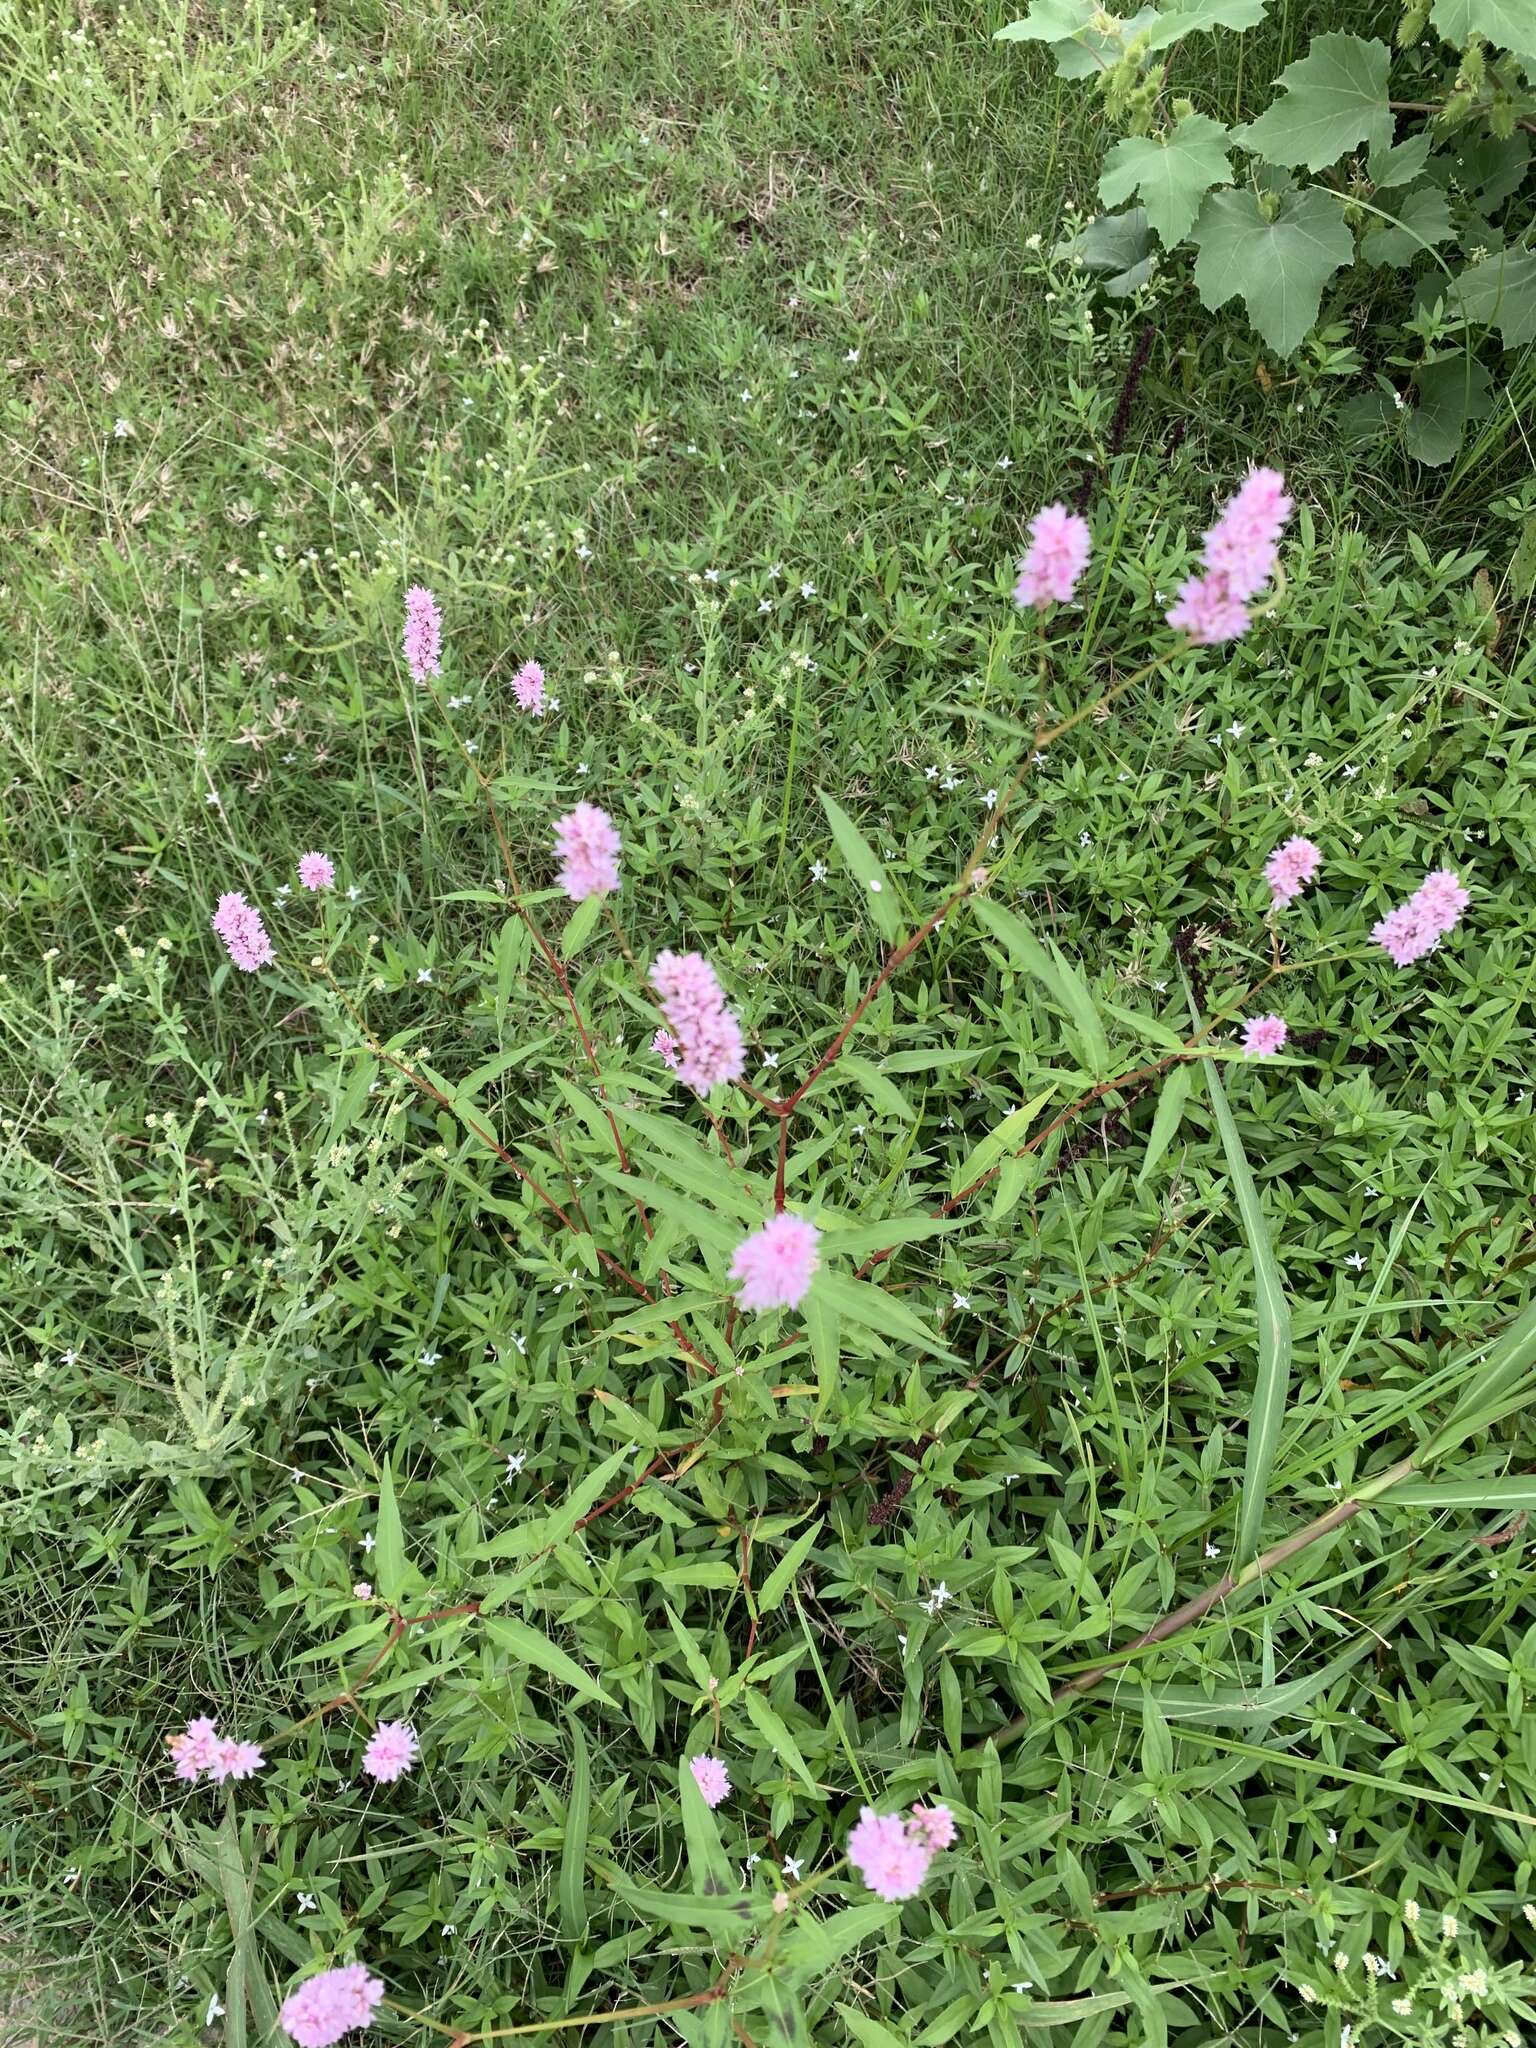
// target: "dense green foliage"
[[718, 364]]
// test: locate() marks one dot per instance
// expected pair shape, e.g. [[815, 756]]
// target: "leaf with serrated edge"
[[1336, 97], [1171, 173], [1277, 267]]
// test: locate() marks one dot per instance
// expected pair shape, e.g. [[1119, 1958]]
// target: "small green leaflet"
[[1499, 1496], [684, 1909], [1049, 21], [874, 884], [1502, 288], [389, 1546], [580, 926], [861, 1302], [1117, 246], [1508, 24], [1172, 173], [542, 1531], [529, 1646], [1170, 1114], [1336, 97], [1450, 393], [1006, 1136], [573, 1849], [1423, 219], [1205, 14], [1402, 163], [776, 1585], [1057, 975], [1277, 267]]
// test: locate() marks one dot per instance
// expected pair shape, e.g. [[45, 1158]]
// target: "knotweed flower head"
[[1245, 540], [587, 842], [1290, 868], [892, 1859], [1057, 555], [326, 2007], [711, 1777], [936, 1825], [1208, 610], [239, 925], [194, 1751], [392, 1751], [528, 687], [1416, 927], [775, 1266], [423, 638], [664, 1045], [706, 1036], [316, 872], [236, 1760], [1263, 1036]]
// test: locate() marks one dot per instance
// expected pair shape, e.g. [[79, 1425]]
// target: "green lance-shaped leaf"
[[868, 872]]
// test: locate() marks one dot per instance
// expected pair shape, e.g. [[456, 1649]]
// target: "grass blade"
[[1488, 1397], [1272, 1379], [1495, 1495], [573, 1850], [868, 872]]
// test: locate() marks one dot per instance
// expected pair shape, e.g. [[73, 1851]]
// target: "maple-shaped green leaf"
[[1449, 394], [1277, 267], [1501, 290], [1335, 99], [1172, 173], [1048, 21], [1509, 24], [1400, 163], [1102, 43], [1204, 14], [1423, 219]]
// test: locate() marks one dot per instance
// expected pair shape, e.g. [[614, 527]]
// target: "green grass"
[[472, 298]]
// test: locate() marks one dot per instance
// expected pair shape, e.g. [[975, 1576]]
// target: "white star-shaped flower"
[[818, 871], [770, 1059], [307, 1902], [423, 974], [516, 1460], [959, 1301], [807, 590], [765, 604], [368, 1542], [1005, 462], [215, 2010], [936, 1598], [989, 797], [121, 430], [792, 1867], [353, 893], [1357, 1260], [1350, 771], [431, 1357], [852, 356], [1236, 731]]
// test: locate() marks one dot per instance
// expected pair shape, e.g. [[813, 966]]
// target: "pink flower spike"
[[528, 688], [1208, 610], [236, 1760], [775, 1266], [423, 638], [362, 1590], [330, 2005], [1401, 936], [239, 925], [1263, 1036], [891, 1861], [392, 1751], [935, 1824], [1289, 869], [588, 845], [693, 1003], [711, 1777], [1059, 546], [316, 872], [664, 1045], [1439, 901], [195, 1751], [1244, 542]]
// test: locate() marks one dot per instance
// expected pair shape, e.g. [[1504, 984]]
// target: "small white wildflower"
[[936, 1598]]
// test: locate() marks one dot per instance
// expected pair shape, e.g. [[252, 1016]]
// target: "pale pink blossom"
[[1263, 1036], [775, 1266], [936, 1825], [392, 1751], [1208, 610], [1059, 546], [1416, 927], [588, 845], [362, 1590], [664, 1045], [1290, 868], [423, 639], [891, 1859], [195, 1751], [316, 871], [239, 925], [711, 1777], [1245, 539], [326, 2007], [528, 687], [706, 1035], [236, 1760]]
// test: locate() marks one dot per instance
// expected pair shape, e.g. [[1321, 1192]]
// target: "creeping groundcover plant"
[[722, 1248]]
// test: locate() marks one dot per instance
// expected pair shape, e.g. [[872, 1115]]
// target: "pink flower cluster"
[[239, 925], [1263, 1036], [1239, 556], [664, 1045], [201, 1752], [392, 1751], [892, 1855], [1416, 927], [587, 842], [423, 638], [775, 1266], [1289, 869], [711, 1777], [693, 1003], [316, 871], [1059, 545], [330, 2005], [528, 688]]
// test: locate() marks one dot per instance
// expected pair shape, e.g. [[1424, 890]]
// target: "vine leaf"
[[1423, 219], [1277, 267], [1172, 173], [1205, 14], [1502, 289], [1335, 98], [1510, 24]]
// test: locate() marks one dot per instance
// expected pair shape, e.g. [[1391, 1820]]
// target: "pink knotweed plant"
[[664, 1045], [423, 637], [1057, 555], [775, 1266], [392, 1751], [528, 688], [587, 842], [706, 1035], [1289, 869], [201, 1752], [1416, 927], [711, 1777], [325, 2008], [316, 871], [891, 1857], [936, 1825], [239, 925], [1239, 553], [1263, 1036]]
